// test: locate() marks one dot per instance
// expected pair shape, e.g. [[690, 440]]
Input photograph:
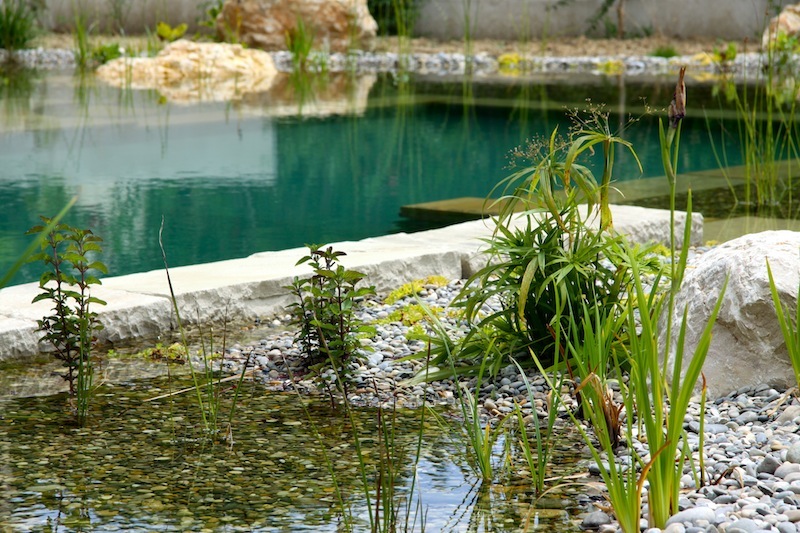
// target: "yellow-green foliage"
[[660, 249], [416, 332], [414, 287], [168, 33], [409, 315], [174, 353], [726, 54], [612, 67], [510, 63]]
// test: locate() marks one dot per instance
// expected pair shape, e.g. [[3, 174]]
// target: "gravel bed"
[[480, 64]]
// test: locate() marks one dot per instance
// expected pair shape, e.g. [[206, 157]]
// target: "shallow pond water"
[[146, 466], [274, 171]]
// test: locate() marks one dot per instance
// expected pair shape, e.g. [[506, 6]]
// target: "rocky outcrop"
[[337, 25], [787, 22], [187, 71], [747, 346]]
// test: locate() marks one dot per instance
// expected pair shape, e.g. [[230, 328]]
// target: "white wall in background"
[[517, 19], [445, 19]]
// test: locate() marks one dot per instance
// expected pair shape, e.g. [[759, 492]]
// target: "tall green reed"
[[538, 457], [789, 324], [766, 131], [208, 390], [661, 406], [83, 51], [17, 25], [624, 483]]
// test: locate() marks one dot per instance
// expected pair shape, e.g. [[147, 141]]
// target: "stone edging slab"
[[253, 287]]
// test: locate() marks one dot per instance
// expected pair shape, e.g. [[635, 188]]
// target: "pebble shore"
[[752, 436], [446, 64]]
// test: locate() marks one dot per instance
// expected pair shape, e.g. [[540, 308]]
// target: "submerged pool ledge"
[[243, 290]]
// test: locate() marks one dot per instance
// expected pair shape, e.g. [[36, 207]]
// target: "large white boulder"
[[337, 25], [747, 347], [187, 72]]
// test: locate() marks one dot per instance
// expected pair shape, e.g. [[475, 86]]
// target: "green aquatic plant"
[[724, 55], [788, 323], [102, 54], [172, 353], [325, 314], [661, 408], [766, 112], [82, 47], [409, 315], [300, 42], [212, 9], [553, 256], [17, 24], [69, 256], [209, 385], [537, 456]]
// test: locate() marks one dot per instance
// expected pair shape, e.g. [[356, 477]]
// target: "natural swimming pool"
[[232, 179], [155, 473]]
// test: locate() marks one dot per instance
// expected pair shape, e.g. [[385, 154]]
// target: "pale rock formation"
[[337, 25], [747, 347], [186, 72], [787, 22]]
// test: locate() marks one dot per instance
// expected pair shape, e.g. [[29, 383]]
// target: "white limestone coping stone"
[[238, 290]]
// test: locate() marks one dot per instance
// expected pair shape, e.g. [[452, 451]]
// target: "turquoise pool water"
[[232, 179]]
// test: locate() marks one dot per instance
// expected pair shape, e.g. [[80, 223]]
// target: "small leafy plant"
[[325, 313], [68, 255], [212, 11], [725, 55], [169, 34]]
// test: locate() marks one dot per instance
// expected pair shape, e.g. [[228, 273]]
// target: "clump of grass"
[[665, 51], [208, 388], [17, 24], [300, 42]]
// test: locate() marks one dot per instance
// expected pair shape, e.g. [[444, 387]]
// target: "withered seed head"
[[677, 108]]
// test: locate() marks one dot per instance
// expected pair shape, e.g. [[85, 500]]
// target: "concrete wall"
[[445, 19], [517, 19], [132, 16]]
